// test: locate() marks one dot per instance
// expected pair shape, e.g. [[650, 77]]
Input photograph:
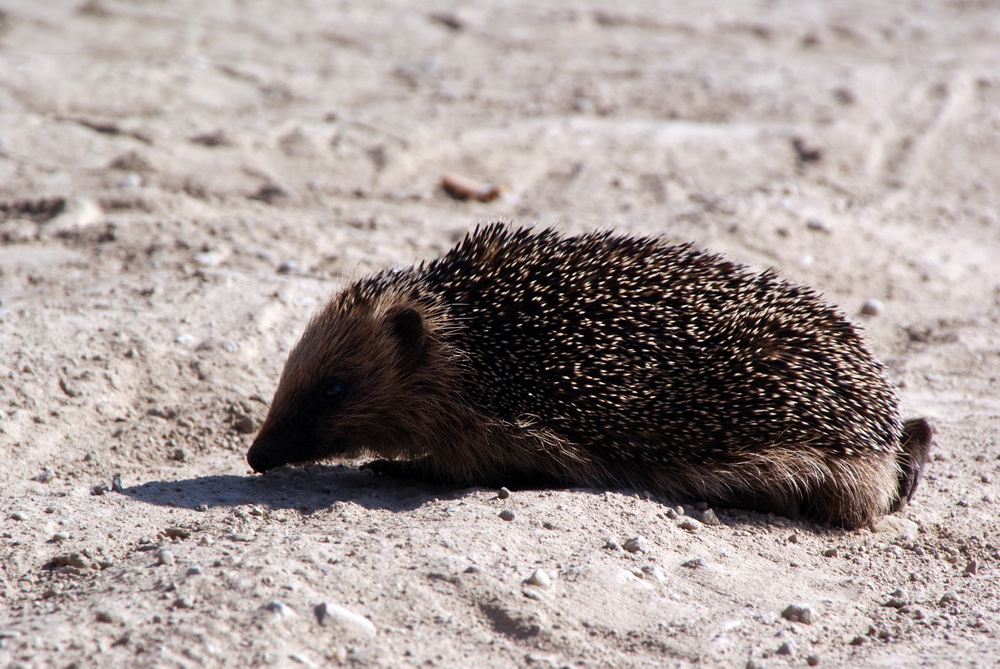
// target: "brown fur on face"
[[376, 349]]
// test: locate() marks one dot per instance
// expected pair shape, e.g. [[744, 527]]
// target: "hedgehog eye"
[[335, 391]]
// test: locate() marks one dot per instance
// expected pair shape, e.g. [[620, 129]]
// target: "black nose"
[[259, 458]]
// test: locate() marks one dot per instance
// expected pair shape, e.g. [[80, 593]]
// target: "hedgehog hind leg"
[[918, 434], [809, 483], [860, 489]]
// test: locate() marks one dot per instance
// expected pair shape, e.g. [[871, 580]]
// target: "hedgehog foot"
[[404, 469], [916, 444]]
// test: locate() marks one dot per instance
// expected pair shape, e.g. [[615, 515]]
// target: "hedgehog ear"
[[406, 326]]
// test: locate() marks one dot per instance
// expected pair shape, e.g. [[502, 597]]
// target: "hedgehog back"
[[665, 352]]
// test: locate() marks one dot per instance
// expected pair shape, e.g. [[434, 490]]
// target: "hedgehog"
[[526, 358]]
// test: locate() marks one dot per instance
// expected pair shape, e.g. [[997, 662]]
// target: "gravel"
[[871, 307], [636, 544], [689, 524], [334, 615], [278, 607], [799, 613], [540, 578]]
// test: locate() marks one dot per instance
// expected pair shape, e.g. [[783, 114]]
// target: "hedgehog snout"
[[275, 445], [262, 455], [282, 444]]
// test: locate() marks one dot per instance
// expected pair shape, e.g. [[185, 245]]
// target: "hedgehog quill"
[[523, 357]]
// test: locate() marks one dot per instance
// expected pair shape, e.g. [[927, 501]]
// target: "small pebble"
[[60, 536], [177, 533], [831, 552], [652, 572], [636, 544], [288, 267], [131, 180], [105, 616], [696, 563], [503, 493], [165, 557], [799, 613], [689, 524], [709, 517], [76, 560], [278, 607], [345, 619], [210, 258], [18, 515], [817, 225], [972, 568], [507, 514], [787, 648], [871, 307], [447, 19], [100, 489], [194, 570], [540, 578], [243, 424], [948, 598], [46, 476], [812, 660], [611, 544]]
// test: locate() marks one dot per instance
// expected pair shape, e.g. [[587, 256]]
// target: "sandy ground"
[[182, 183]]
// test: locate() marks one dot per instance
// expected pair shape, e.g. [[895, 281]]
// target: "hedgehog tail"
[[915, 447]]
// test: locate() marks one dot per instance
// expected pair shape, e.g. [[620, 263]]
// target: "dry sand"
[[183, 183]]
